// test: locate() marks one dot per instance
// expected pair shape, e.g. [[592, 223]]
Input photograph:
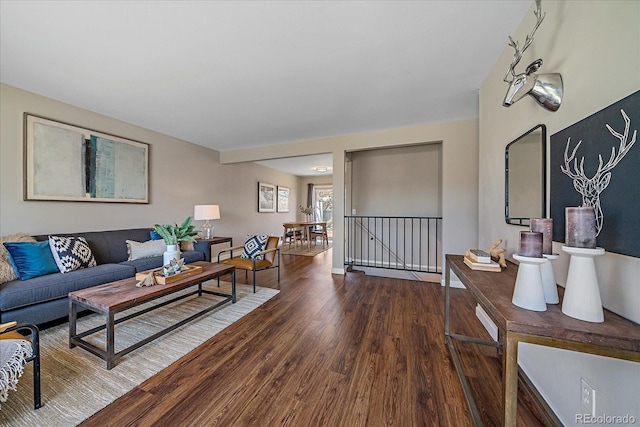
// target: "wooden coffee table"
[[115, 297]]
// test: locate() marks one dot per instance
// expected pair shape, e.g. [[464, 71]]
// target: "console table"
[[616, 337]]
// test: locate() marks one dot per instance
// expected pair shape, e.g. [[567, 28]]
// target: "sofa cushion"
[[7, 272], [148, 249], [52, 286], [71, 253], [31, 259], [253, 245], [108, 246]]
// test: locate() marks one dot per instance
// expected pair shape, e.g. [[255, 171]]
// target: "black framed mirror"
[[525, 177]]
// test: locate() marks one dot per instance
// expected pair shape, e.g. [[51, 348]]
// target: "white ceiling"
[[302, 166], [229, 75]]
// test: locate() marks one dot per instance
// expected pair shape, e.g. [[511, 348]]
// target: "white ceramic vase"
[[173, 251], [582, 290], [529, 292], [549, 279]]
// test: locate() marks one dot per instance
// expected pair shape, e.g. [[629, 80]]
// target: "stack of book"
[[477, 259]]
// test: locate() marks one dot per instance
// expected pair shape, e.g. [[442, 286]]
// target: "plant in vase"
[[308, 211], [172, 234]]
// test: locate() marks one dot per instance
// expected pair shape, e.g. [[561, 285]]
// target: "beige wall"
[[459, 168], [403, 181], [181, 175], [594, 44]]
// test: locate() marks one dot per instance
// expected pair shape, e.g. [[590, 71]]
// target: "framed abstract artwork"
[[283, 199], [266, 197], [65, 162]]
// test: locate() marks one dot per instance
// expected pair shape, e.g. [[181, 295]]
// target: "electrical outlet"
[[588, 396]]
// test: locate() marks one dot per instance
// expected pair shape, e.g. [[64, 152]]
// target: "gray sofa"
[[44, 299]]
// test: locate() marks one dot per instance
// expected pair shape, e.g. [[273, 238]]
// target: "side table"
[[215, 240]]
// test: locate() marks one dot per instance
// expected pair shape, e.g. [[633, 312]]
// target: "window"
[[323, 205]]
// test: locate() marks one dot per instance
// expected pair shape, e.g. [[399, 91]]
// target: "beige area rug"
[[303, 251], [76, 384]]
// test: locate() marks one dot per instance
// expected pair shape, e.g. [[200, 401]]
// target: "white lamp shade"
[[206, 212]]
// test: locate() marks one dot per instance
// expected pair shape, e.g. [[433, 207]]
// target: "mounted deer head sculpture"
[[546, 89]]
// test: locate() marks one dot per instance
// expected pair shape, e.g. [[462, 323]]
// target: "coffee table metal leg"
[[233, 286], [110, 341], [73, 315]]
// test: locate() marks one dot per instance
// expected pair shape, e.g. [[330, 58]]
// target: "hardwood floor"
[[328, 350]]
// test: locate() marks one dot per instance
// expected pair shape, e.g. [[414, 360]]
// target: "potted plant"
[[172, 234], [308, 211]]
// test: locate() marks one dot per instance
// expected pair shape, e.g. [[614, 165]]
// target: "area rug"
[[303, 251], [76, 384]]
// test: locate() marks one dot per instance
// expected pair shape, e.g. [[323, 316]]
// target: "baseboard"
[[338, 271], [487, 322], [453, 283]]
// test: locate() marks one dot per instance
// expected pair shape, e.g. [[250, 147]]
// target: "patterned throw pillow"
[[71, 253], [253, 245]]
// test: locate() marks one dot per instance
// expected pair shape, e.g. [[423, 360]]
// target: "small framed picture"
[[283, 199], [266, 197]]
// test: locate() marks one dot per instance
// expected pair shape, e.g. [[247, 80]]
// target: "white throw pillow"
[[148, 249]]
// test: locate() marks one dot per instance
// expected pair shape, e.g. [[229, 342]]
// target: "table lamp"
[[206, 212]]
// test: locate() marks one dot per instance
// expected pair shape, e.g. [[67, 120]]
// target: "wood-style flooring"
[[328, 350]]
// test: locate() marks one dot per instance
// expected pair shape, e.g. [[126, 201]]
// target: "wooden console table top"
[[616, 337], [494, 291]]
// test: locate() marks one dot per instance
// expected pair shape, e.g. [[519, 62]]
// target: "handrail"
[[394, 242]]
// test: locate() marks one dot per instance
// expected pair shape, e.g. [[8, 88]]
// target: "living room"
[[593, 44]]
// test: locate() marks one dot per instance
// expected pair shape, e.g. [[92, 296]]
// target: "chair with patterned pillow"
[[259, 252], [15, 351]]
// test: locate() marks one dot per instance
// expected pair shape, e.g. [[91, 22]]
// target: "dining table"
[[305, 227]]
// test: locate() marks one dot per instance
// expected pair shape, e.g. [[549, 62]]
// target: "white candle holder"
[[582, 291], [549, 279], [528, 292]]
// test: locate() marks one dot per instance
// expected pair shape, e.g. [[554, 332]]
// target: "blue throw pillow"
[[31, 259], [154, 235], [253, 245]]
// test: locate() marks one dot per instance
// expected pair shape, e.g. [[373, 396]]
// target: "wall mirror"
[[525, 177]]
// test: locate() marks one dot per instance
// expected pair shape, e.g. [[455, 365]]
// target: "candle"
[[530, 244], [580, 228], [544, 226]]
